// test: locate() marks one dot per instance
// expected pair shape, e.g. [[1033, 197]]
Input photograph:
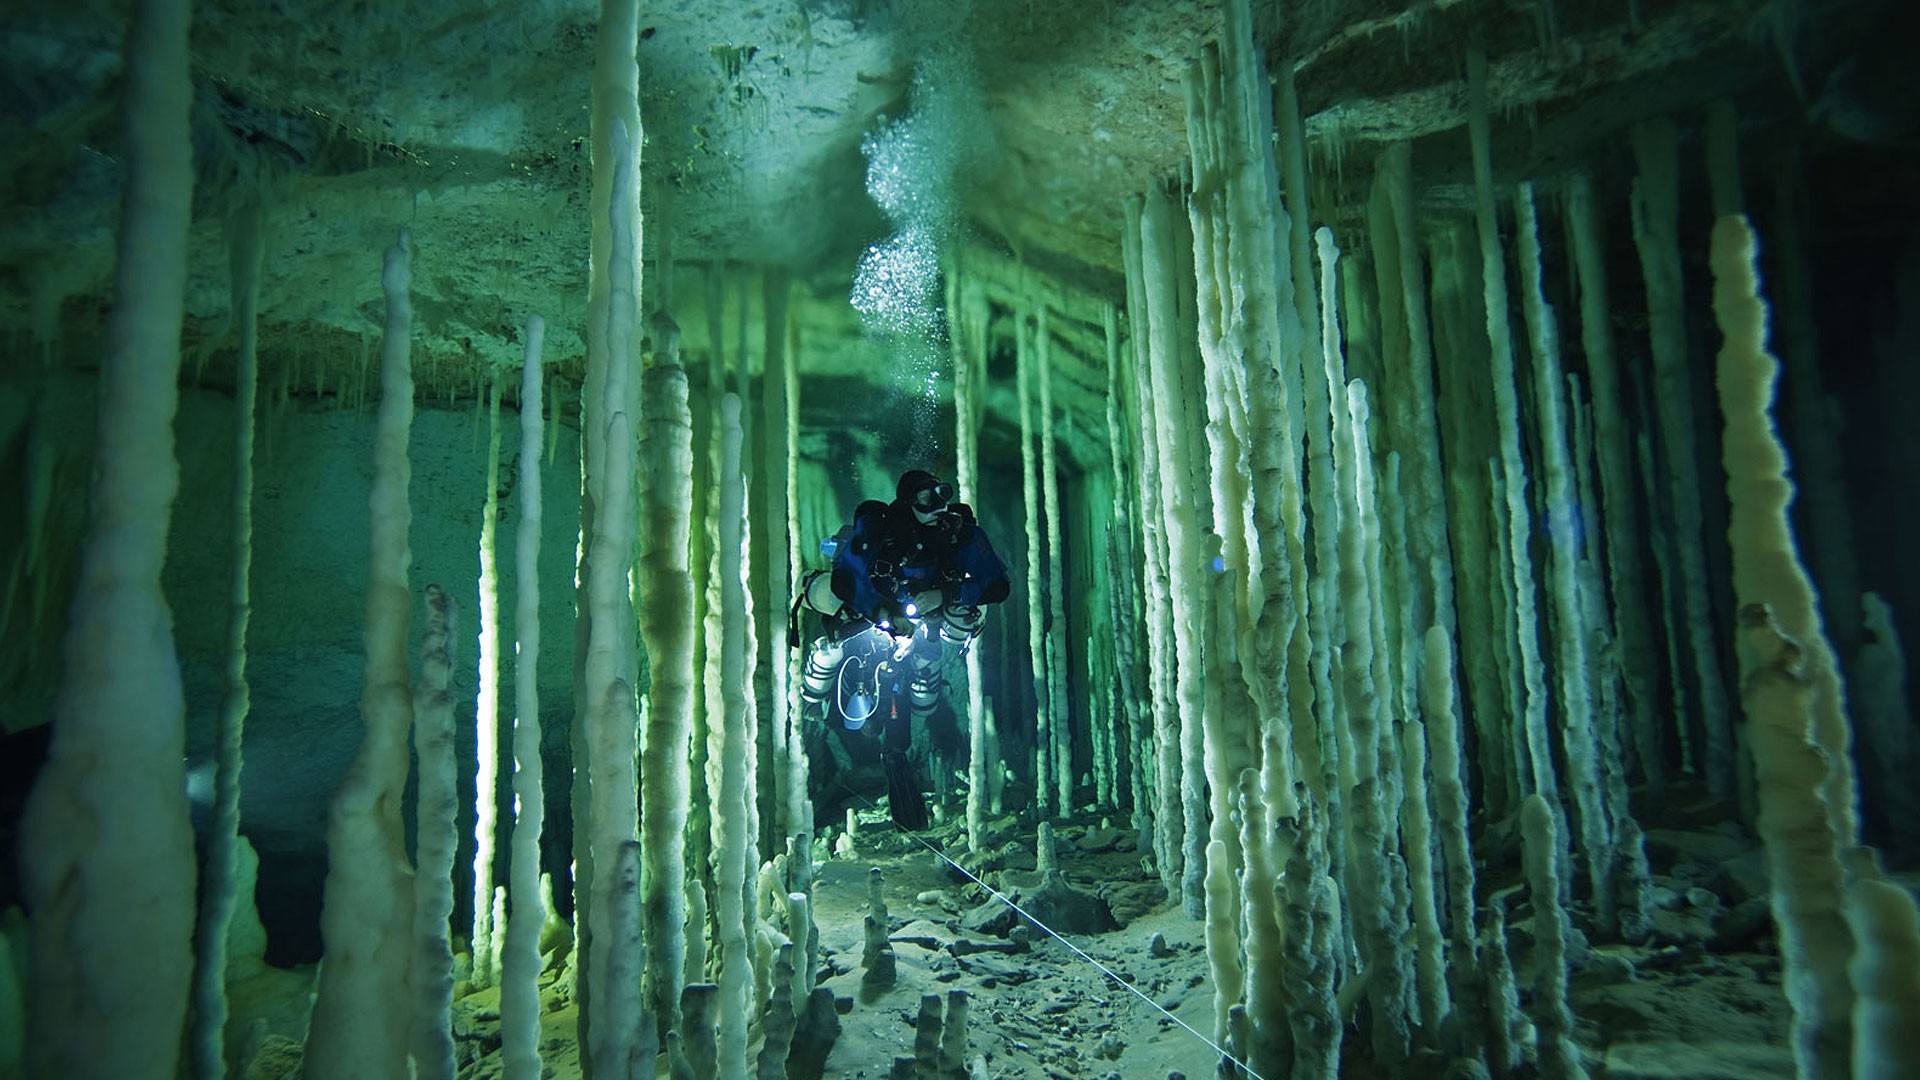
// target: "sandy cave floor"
[[1675, 1009]]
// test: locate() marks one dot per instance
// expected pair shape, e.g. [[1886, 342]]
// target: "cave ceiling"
[[467, 124]]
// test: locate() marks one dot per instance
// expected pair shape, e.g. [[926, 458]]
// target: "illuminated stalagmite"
[[105, 850], [437, 771], [217, 894], [520, 971], [368, 913], [1791, 689]]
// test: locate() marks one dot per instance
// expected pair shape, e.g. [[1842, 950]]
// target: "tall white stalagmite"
[[431, 978], [1043, 786], [519, 978], [1450, 813], [1057, 706], [217, 895], [368, 914], [1559, 1058], [1572, 664], [1791, 691], [1885, 971], [1158, 608], [1656, 231], [1526, 623], [1619, 506], [106, 854], [665, 582], [968, 337], [1123, 576], [486, 712], [615, 103], [612, 716], [783, 553], [1185, 553], [728, 741]]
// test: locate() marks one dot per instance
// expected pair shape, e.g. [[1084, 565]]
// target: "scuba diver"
[[909, 577]]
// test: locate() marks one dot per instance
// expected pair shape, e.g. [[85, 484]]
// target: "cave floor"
[[1676, 1009]]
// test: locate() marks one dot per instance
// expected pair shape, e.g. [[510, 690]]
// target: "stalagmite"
[[783, 554], [926, 1038], [431, 977], [615, 111], [627, 1037], [953, 1035], [1429, 959], [1370, 837], [1885, 971], [665, 582], [217, 896], [1043, 785], [1790, 689], [486, 713], [1559, 1057], [1309, 911], [877, 958], [1619, 505], [1185, 559], [612, 707], [699, 1037], [726, 747], [1525, 621], [368, 912], [1504, 1021], [1450, 812], [519, 980], [106, 853], [1058, 711], [968, 336], [1572, 664], [1656, 213], [779, 1020], [1169, 828], [1885, 723]]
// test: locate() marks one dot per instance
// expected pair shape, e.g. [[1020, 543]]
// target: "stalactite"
[[1169, 827], [727, 748], [486, 713], [217, 896], [106, 852], [1058, 709], [1507, 415], [1656, 214], [1460, 356], [519, 985], [1791, 689], [1619, 503], [611, 719], [368, 911], [1559, 1058], [1043, 784], [1814, 415], [430, 1040], [1572, 664], [1411, 378]]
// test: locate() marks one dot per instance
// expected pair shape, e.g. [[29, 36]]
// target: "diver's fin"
[[904, 797]]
